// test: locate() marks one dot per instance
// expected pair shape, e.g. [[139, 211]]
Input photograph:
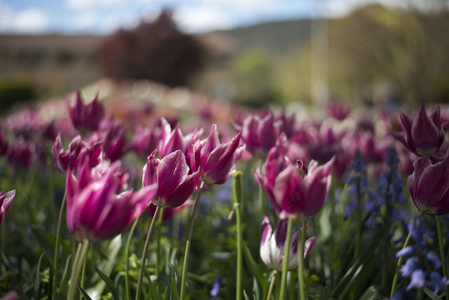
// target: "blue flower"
[[417, 281]]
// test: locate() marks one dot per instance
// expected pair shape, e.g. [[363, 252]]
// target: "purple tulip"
[[260, 134], [86, 117], [171, 175], [338, 111], [11, 295], [216, 160], [429, 186], [5, 203], [172, 140], [300, 196], [272, 246], [21, 153], [112, 135], [77, 153], [276, 162], [97, 209], [146, 140], [424, 135]]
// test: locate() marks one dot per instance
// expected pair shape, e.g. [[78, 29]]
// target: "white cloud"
[[201, 19], [86, 20], [30, 20], [82, 4]]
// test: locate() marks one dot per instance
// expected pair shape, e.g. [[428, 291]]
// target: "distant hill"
[[276, 38]]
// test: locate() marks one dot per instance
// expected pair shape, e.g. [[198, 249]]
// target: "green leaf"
[[37, 281], [255, 269], [85, 295], [109, 283], [246, 295], [431, 294], [64, 281], [371, 294], [154, 292], [106, 266]]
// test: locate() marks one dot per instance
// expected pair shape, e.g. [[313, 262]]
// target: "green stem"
[[398, 266], [273, 280], [144, 253], [128, 245], [301, 245], [158, 238], [443, 256], [57, 242], [76, 269], [189, 241], [286, 258], [83, 272], [237, 205]]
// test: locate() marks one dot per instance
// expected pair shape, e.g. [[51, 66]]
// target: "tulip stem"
[[286, 258], [76, 269], [128, 245], [57, 242], [189, 241], [273, 280], [398, 266], [301, 245], [443, 256], [237, 206], [144, 253]]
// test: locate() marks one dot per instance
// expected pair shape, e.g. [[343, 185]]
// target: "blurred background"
[[253, 52]]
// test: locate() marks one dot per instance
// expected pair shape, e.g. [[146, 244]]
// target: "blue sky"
[[105, 16]]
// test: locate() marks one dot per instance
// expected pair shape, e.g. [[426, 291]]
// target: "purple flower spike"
[[429, 186], [272, 246], [97, 209], [424, 135], [77, 153], [86, 117], [5, 203], [171, 174], [302, 197], [216, 160]]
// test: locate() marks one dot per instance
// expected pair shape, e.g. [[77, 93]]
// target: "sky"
[[194, 16]]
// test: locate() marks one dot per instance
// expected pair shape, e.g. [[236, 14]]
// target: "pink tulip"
[[424, 135], [429, 186], [5, 203], [272, 246], [175, 183], [86, 116], [300, 196], [216, 160], [77, 153], [97, 207]]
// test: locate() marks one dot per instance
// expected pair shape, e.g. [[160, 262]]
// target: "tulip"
[[77, 153], [172, 140], [146, 140], [276, 162], [21, 153], [112, 135], [171, 175], [216, 160], [260, 134], [272, 246], [86, 117], [5, 203], [429, 185], [299, 196], [338, 111], [424, 135], [97, 210]]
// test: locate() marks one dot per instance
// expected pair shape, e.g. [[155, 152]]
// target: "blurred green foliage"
[[15, 91], [255, 79]]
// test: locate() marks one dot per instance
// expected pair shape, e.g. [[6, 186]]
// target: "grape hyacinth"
[[423, 265]]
